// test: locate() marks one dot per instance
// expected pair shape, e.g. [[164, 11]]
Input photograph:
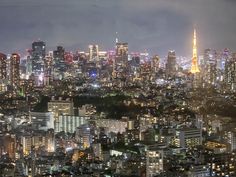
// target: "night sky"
[[155, 25]]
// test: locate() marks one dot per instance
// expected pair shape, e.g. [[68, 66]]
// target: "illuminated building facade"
[[58, 56], [3, 66], [37, 140], [48, 63], [230, 73], [93, 53], [38, 55], [194, 66], [121, 53], [171, 64], [210, 66], [154, 161], [15, 69], [68, 123], [155, 63]]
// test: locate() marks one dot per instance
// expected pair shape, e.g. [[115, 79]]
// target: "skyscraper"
[[59, 60], [154, 161], [210, 66], [58, 54], [194, 66], [3, 66], [121, 53], [15, 69], [38, 54], [93, 52], [230, 73], [171, 63]]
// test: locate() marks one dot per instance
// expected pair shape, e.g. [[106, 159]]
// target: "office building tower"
[[48, 64], [155, 63], [37, 140], [59, 60], [171, 64], [93, 53], [3, 66], [230, 73], [28, 65], [121, 54], [38, 54], [58, 55], [210, 66], [194, 65], [222, 58], [231, 140], [3, 72], [189, 137], [15, 69]]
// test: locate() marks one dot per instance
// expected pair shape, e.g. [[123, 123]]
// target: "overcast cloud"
[[155, 25]]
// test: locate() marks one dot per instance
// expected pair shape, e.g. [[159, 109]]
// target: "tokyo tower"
[[194, 66]]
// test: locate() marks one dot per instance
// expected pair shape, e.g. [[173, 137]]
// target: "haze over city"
[[117, 88], [154, 25]]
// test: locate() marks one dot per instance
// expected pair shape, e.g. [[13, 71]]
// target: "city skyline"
[[117, 88], [158, 25]]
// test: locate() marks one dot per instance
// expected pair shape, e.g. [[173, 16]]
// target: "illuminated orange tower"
[[194, 66]]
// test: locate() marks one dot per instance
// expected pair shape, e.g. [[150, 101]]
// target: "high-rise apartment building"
[[68, 123], [230, 73], [210, 66], [189, 137], [60, 107], [154, 161], [15, 69], [3, 66]]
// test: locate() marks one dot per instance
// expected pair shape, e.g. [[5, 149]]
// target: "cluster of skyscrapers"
[[120, 112]]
